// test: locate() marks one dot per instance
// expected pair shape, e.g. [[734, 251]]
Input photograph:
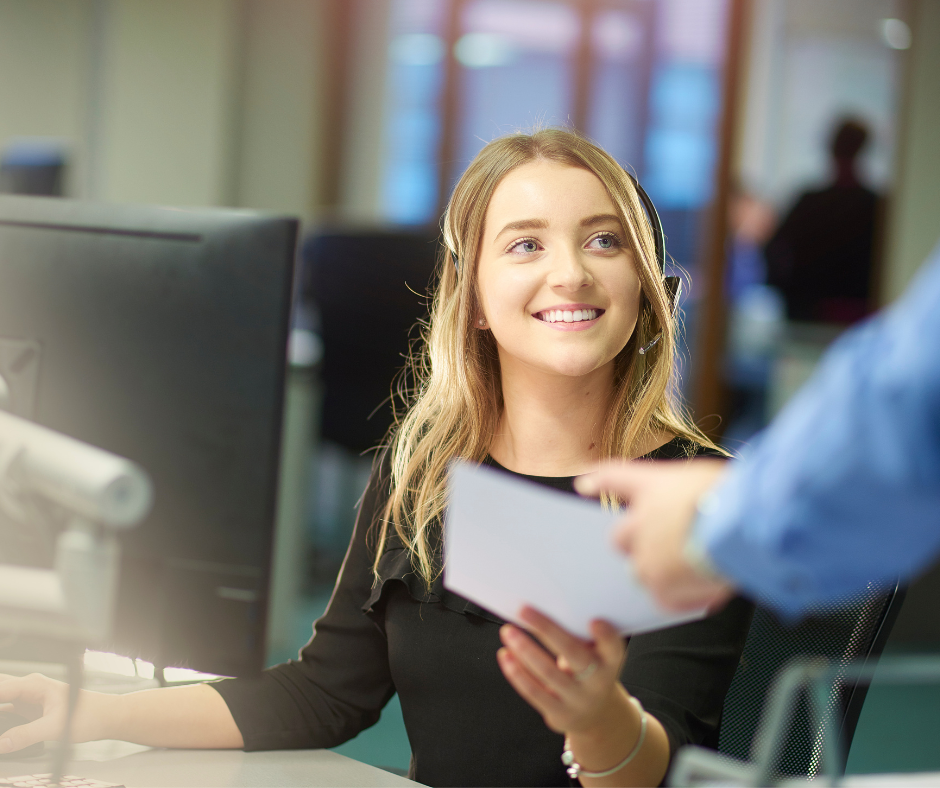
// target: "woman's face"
[[556, 283]]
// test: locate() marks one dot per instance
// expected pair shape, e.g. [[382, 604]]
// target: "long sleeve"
[[844, 487], [342, 680]]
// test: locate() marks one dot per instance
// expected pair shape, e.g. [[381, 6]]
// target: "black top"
[[465, 723]]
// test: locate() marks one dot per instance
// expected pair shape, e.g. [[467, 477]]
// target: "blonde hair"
[[452, 386]]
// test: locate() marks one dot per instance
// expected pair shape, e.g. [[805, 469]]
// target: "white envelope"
[[510, 542]]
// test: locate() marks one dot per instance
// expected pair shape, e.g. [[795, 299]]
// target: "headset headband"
[[656, 225], [673, 284]]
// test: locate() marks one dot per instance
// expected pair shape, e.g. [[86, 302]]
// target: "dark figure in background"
[[822, 254]]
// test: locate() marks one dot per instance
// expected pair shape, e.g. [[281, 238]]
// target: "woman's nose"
[[569, 271]]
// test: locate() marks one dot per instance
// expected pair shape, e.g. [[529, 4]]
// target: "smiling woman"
[[535, 361], [540, 225], [532, 362]]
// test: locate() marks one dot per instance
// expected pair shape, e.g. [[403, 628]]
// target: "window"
[[641, 77], [516, 70]]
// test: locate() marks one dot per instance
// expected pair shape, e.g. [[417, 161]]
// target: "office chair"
[[368, 286], [856, 630]]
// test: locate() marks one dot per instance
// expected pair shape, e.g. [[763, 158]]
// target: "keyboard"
[[45, 781]]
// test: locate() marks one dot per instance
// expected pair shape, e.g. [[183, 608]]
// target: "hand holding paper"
[[510, 543]]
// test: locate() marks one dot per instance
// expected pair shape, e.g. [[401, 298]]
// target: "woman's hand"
[[575, 685], [44, 702], [572, 683]]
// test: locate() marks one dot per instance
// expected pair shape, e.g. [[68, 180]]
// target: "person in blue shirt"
[[842, 489]]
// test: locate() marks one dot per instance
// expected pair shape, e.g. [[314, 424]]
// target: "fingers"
[[25, 735], [693, 592], [548, 678], [623, 534], [532, 691], [617, 477], [558, 640], [22, 690], [33, 695], [608, 642], [538, 662], [566, 663]]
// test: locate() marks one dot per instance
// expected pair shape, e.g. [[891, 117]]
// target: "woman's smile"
[[570, 317]]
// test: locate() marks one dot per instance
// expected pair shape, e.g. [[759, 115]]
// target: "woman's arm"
[[191, 716], [342, 680], [337, 688]]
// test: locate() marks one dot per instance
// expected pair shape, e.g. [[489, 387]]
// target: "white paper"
[[510, 542]]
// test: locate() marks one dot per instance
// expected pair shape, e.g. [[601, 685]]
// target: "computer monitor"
[[160, 334]]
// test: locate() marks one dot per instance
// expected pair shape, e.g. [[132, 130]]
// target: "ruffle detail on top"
[[395, 567]]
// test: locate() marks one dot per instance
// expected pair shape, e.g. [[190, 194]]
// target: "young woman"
[[548, 290]]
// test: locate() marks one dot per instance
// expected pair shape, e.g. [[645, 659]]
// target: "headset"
[[673, 284]]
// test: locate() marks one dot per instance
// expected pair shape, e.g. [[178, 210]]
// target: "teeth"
[[568, 316]]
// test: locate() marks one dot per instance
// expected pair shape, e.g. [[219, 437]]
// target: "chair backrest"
[[369, 286], [854, 630]]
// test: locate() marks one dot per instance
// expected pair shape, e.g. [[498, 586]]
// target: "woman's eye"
[[605, 242], [525, 247]]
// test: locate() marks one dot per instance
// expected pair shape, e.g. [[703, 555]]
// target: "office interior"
[[357, 116]]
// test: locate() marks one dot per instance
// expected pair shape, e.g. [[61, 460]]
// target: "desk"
[[145, 767]]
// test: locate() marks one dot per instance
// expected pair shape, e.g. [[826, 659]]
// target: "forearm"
[[192, 716], [804, 518], [613, 737]]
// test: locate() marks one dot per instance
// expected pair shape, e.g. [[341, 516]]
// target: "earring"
[[482, 322]]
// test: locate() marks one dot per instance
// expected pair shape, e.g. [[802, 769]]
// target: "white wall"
[[44, 69], [167, 102], [282, 126], [179, 102], [364, 154], [914, 212]]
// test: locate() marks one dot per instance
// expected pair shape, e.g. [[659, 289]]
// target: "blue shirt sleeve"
[[844, 487]]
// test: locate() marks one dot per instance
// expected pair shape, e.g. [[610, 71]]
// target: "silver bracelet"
[[574, 768]]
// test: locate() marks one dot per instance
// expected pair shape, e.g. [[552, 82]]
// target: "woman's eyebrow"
[[524, 224], [600, 218]]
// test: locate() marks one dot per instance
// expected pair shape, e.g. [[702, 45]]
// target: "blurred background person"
[[821, 257]]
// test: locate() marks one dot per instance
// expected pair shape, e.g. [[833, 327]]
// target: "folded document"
[[510, 542]]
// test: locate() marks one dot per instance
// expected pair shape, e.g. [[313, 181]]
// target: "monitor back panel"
[[161, 335]]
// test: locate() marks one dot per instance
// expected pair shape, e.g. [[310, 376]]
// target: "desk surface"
[[145, 767]]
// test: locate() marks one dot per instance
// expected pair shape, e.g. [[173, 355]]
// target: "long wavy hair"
[[451, 386]]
